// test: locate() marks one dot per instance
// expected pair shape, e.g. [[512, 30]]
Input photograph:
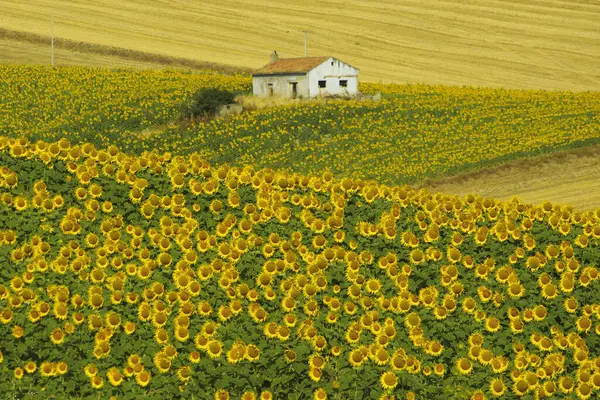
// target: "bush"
[[205, 102]]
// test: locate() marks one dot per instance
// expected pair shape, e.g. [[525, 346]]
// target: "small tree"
[[205, 102]]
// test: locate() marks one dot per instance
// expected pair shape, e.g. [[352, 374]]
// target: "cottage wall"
[[229, 109], [332, 72], [281, 85]]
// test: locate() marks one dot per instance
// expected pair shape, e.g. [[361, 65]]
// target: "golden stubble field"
[[565, 177], [34, 53], [545, 44]]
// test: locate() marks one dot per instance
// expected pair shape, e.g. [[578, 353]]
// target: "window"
[[332, 63], [343, 83], [322, 84]]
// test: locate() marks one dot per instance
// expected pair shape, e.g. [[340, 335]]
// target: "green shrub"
[[205, 102]]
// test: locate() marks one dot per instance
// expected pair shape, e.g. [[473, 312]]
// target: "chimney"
[[274, 56]]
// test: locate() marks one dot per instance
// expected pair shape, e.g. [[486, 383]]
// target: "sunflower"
[[113, 320], [412, 320], [503, 273], [252, 353], [595, 379], [485, 294], [476, 339], [566, 384], [540, 312], [182, 333], [453, 255], [561, 342], [97, 382], [184, 373], [570, 305], [159, 319], [521, 387], [19, 372], [468, 261], [30, 367], [356, 358], [435, 348], [201, 341], [381, 357], [566, 283], [545, 344], [457, 288], [583, 324], [485, 357], [373, 286], [248, 396], [516, 290], [464, 366], [20, 203], [336, 351], [398, 362], [266, 395], [492, 324], [290, 320], [57, 336], [115, 377], [478, 395], [439, 369], [549, 387], [549, 291], [17, 331], [388, 380], [107, 207], [468, 305], [311, 308], [499, 364], [214, 348], [481, 235], [320, 394], [315, 374], [48, 369], [417, 256], [440, 312], [474, 352]]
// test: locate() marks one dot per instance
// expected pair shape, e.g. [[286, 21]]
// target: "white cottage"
[[305, 77]]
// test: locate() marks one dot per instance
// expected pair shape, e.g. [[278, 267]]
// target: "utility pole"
[[52, 43], [305, 41]]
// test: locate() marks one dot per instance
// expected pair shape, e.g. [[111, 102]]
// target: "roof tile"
[[291, 65]]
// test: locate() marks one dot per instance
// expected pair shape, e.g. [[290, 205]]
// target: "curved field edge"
[[31, 48], [564, 176], [388, 284]]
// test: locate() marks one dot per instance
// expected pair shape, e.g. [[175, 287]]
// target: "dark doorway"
[[270, 89], [294, 87]]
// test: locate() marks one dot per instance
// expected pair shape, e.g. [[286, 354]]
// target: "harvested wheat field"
[[20, 52], [564, 177], [548, 44]]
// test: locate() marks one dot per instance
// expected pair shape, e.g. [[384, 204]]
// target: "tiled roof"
[[291, 65]]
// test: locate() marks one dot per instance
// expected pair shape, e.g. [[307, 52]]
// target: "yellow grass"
[[566, 177], [252, 103], [547, 44]]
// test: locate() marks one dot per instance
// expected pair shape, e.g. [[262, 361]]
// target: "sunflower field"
[[164, 276], [416, 131], [97, 104]]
